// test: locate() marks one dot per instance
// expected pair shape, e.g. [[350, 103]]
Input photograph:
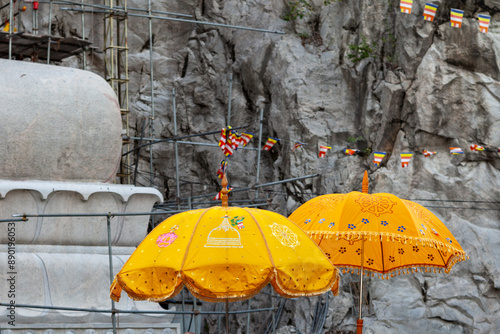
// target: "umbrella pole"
[[359, 323], [227, 316]]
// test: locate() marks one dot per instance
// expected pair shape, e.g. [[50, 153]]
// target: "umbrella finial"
[[364, 188], [224, 191]]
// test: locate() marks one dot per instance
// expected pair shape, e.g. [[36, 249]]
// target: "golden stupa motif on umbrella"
[[225, 253]]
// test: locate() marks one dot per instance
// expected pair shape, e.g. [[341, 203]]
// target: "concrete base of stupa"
[[63, 262]]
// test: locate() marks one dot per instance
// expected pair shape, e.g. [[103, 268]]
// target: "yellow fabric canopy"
[[224, 253]]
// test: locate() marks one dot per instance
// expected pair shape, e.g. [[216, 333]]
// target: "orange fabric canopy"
[[398, 235]]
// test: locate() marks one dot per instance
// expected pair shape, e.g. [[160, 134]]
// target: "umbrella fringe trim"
[[406, 269], [118, 284], [379, 236]]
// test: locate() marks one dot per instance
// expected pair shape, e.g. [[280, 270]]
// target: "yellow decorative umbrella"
[[225, 254], [378, 233]]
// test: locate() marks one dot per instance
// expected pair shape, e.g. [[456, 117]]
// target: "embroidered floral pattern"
[[321, 221], [401, 251], [327, 204], [369, 262], [342, 250], [166, 239], [351, 226], [392, 259], [384, 222], [365, 221], [430, 257], [332, 224], [416, 249], [237, 222], [401, 228], [307, 221], [358, 251], [285, 235]]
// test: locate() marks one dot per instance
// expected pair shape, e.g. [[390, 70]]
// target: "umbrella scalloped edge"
[[458, 254], [116, 289]]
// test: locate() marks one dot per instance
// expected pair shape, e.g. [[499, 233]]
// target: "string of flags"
[[230, 140], [456, 15]]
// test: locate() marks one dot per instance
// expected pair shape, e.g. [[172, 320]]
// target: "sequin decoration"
[[285, 235], [376, 205]]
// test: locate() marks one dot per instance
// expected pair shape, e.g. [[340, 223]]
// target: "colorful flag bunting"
[[378, 157], [348, 151], [428, 153], [245, 138], [456, 17], [456, 150], [476, 148], [484, 22], [429, 12], [222, 140], [235, 139], [405, 6], [405, 158], [219, 194], [499, 150], [297, 145], [323, 150], [222, 169], [270, 143]]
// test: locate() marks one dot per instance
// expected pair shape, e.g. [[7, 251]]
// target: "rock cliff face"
[[420, 85]]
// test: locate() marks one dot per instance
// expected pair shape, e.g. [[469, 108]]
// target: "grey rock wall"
[[424, 86]]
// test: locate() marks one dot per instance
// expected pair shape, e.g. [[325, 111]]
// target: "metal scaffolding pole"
[[176, 147], [110, 257], [11, 27], [261, 120], [228, 122], [116, 69], [151, 76], [50, 33], [84, 58]]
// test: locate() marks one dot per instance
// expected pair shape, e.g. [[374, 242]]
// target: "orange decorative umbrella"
[[225, 254], [378, 233]]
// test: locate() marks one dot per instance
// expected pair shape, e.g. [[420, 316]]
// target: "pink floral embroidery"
[[166, 239]]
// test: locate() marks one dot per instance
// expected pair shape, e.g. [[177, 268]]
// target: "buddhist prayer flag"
[[428, 153], [456, 17], [245, 138], [235, 138], [270, 143], [222, 140], [429, 12], [297, 145], [484, 22], [476, 148], [378, 157], [222, 169], [219, 194], [405, 158], [405, 6], [323, 150], [456, 150], [348, 151]]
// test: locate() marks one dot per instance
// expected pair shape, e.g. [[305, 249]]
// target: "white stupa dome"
[[57, 123]]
